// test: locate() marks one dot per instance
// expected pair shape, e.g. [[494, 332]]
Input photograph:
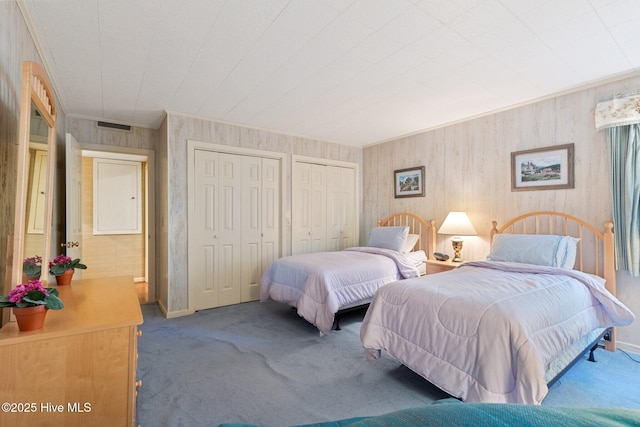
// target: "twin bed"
[[323, 285], [500, 330]]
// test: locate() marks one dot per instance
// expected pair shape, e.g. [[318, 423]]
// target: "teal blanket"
[[451, 412]]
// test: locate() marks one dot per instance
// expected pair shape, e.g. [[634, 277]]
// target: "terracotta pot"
[[27, 279], [30, 318], [65, 278]]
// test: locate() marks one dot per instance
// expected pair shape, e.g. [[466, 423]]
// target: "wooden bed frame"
[[427, 232], [595, 253], [426, 242], [388, 327]]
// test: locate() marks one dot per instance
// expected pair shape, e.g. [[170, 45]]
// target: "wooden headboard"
[[427, 232], [595, 253]]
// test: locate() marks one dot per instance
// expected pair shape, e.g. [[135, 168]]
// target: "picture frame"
[[548, 168], [409, 182]]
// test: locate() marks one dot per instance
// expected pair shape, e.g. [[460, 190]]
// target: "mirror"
[[37, 156], [34, 198]]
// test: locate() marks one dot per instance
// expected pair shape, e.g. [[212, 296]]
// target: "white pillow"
[[542, 249], [392, 238], [412, 239], [417, 257], [570, 250]]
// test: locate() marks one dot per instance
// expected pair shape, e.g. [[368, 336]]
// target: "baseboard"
[[632, 348], [180, 313], [171, 314]]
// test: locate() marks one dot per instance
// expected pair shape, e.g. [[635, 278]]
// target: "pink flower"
[[35, 260], [61, 260], [19, 292]]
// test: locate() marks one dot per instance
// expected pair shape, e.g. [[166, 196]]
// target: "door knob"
[[69, 244]]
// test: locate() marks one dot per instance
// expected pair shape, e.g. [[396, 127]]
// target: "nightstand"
[[435, 266]]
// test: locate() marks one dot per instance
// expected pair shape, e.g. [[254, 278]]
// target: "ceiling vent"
[[114, 126]]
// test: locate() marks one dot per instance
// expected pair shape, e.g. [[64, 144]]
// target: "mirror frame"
[[36, 89]]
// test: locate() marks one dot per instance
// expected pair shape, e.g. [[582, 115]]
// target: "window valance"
[[618, 112]]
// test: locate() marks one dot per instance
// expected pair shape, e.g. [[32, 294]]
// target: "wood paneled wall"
[[16, 46]]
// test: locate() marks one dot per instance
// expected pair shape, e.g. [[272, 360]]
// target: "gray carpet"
[[260, 363]]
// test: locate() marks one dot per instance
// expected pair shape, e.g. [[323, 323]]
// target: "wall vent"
[[114, 126]]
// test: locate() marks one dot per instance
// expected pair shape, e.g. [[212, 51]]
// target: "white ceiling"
[[349, 71]]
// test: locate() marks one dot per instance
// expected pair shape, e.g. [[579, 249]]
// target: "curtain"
[[619, 111], [625, 179]]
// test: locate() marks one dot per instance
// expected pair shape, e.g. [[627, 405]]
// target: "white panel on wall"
[[117, 202]]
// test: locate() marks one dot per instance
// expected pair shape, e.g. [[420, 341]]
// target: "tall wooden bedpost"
[[494, 230], [432, 244], [610, 274]]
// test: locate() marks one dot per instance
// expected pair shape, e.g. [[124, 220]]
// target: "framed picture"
[[548, 168], [409, 182]]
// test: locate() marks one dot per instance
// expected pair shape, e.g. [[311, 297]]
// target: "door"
[[214, 235], [340, 208], [309, 208], [318, 208], [271, 215], [301, 209], [251, 233], [234, 225], [73, 161], [229, 208], [334, 207], [76, 155], [203, 235], [260, 221], [324, 206]]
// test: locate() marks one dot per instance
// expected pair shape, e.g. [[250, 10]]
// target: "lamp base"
[[457, 247]]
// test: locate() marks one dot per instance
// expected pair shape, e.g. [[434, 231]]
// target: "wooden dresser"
[[80, 369]]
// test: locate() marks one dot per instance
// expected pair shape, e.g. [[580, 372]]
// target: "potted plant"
[[63, 268], [30, 303], [31, 268]]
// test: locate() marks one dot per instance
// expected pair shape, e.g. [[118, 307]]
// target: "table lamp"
[[457, 224]]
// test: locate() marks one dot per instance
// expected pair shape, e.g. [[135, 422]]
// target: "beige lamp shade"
[[458, 224]]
